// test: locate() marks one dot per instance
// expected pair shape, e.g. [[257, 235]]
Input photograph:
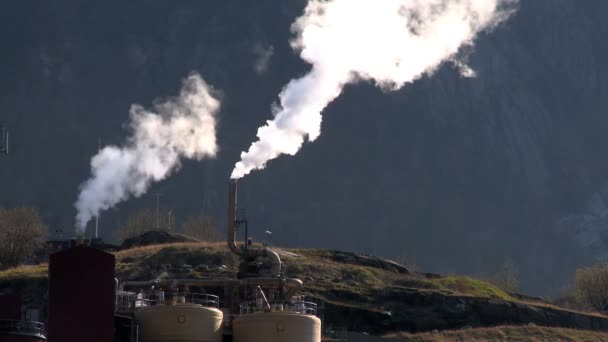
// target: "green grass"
[[25, 271], [323, 276], [470, 286], [345, 284], [506, 333]]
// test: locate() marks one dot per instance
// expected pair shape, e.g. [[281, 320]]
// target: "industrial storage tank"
[[180, 322], [21, 331], [284, 323], [81, 295]]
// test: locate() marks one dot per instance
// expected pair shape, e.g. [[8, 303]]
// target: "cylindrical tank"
[[277, 326], [21, 331], [179, 323], [21, 338]]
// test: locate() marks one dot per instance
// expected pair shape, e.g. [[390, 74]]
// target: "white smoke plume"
[[183, 126], [388, 42]]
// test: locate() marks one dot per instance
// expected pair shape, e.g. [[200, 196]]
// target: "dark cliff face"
[[459, 174]]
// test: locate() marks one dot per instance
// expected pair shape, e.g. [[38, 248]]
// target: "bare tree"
[[21, 233], [146, 220], [506, 278], [202, 228], [408, 260], [591, 286]]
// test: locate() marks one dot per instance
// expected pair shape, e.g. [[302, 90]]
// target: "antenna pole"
[[3, 140], [158, 194], [97, 216]]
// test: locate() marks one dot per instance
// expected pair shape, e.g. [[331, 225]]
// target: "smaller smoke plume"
[[183, 126]]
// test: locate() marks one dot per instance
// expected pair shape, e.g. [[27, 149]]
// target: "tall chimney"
[[232, 217]]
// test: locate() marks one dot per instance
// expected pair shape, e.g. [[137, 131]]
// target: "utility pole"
[[158, 194], [97, 216], [169, 219], [3, 140]]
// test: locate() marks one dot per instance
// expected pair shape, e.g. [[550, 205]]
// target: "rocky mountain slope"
[[459, 174]]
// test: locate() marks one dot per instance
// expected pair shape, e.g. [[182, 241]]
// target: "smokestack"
[[232, 189], [232, 226]]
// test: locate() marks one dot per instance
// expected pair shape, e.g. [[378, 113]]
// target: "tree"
[[202, 228], [146, 220], [408, 260], [21, 233], [567, 297], [591, 286], [506, 278]]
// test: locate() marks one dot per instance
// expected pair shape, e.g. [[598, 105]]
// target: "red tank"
[[10, 307], [81, 295]]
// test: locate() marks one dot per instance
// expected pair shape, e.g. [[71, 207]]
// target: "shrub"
[[21, 232], [202, 228], [506, 278], [591, 286], [145, 220]]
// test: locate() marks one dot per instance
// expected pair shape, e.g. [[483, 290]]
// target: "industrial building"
[[87, 303]]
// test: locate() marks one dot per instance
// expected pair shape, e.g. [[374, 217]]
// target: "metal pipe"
[[272, 283], [231, 240], [289, 283], [232, 190], [264, 300], [207, 282], [292, 286], [185, 282], [115, 294], [138, 283], [276, 261]]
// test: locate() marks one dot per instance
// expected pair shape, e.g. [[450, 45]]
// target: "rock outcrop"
[[415, 311], [155, 237]]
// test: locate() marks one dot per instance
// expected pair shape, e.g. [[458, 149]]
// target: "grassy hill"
[[505, 333], [363, 293]]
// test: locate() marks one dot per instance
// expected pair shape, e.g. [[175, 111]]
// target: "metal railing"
[[22, 328], [129, 301], [332, 333], [125, 301], [305, 308]]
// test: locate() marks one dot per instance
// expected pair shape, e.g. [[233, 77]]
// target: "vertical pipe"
[[97, 216], [231, 222], [264, 300]]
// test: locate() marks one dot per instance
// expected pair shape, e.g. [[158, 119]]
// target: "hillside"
[[498, 334], [362, 293], [459, 173]]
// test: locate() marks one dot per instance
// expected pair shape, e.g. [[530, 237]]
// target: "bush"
[[145, 220], [21, 232], [506, 278], [591, 286], [567, 297], [202, 228]]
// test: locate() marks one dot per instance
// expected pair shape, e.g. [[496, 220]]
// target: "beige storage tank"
[[183, 322], [276, 326]]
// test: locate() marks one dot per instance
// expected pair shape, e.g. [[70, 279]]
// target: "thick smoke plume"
[[388, 42], [178, 127]]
